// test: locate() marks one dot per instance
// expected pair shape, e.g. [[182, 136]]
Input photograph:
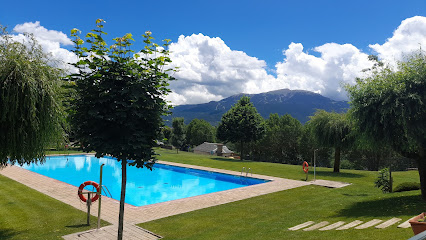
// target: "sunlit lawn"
[[28, 214], [269, 216]]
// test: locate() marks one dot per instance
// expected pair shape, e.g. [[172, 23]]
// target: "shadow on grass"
[[322, 173], [388, 207], [230, 160], [7, 233], [76, 226]]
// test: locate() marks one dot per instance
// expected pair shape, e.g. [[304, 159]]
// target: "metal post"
[[100, 197], [315, 163], [89, 202]]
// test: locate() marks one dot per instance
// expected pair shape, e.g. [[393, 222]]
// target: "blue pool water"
[[163, 183]]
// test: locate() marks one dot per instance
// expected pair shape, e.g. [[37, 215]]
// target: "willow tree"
[[120, 99], [331, 130], [30, 111], [390, 107]]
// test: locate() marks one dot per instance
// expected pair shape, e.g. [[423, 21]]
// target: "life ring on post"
[[305, 167], [83, 185]]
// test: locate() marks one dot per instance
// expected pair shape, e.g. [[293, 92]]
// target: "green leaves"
[[199, 131], [74, 31], [99, 21], [384, 181], [330, 128], [281, 140], [120, 96], [31, 115], [241, 124], [390, 105], [178, 132]]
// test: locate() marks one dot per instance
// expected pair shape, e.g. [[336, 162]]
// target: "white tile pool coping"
[[133, 215]]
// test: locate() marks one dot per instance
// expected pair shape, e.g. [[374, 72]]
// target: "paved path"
[[130, 232], [340, 225], [68, 194]]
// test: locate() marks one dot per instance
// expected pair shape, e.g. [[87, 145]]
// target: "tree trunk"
[[390, 178], [122, 197], [242, 151], [336, 159], [421, 165]]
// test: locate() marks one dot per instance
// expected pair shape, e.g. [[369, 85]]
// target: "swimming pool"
[[144, 187]]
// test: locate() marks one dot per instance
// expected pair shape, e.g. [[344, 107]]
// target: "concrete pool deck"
[[133, 215]]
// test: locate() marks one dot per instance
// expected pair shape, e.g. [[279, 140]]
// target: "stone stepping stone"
[[350, 225], [329, 184], [406, 224], [316, 226], [369, 224], [332, 226], [301, 225], [389, 223]]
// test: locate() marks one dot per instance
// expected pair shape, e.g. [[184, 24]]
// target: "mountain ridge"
[[300, 104]]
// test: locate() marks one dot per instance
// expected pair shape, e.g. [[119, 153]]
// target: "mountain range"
[[299, 104]]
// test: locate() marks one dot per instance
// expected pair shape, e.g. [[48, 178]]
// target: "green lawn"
[[269, 216], [51, 152], [29, 214]]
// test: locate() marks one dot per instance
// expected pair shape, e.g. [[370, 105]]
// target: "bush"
[[407, 186], [384, 182]]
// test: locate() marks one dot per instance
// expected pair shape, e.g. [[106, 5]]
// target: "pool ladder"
[[247, 171], [103, 187]]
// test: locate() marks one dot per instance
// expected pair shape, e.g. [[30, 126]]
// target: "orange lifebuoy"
[[305, 167], [80, 191]]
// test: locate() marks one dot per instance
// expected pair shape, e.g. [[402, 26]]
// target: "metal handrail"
[[242, 170], [249, 171], [105, 187]]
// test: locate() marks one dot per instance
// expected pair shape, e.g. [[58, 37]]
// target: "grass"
[[29, 214], [71, 151], [269, 216]]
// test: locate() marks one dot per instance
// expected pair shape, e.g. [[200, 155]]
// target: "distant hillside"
[[298, 103]]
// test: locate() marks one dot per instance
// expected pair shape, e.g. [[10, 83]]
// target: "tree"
[[178, 133], [331, 130], [199, 131], [167, 134], [31, 115], [281, 140], [308, 147], [241, 124], [390, 106], [120, 99]]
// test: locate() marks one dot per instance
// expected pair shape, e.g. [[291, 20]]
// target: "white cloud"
[[42, 33], [338, 64], [210, 70], [408, 37], [50, 40]]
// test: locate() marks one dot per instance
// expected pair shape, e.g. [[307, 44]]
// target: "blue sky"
[[262, 37]]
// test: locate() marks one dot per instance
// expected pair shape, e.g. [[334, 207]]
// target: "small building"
[[213, 149]]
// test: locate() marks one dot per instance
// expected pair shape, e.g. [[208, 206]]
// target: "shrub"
[[407, 186], [384, 182]]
